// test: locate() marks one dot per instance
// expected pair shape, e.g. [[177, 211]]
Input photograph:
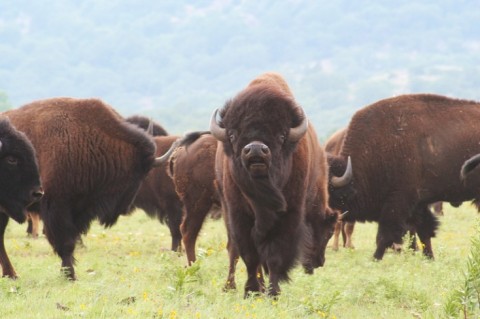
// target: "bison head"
[[340, 184], [260, 129], [19, 177], [319, 231]]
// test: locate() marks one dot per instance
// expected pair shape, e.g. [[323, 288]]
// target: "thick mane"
[[144, 123], [272, 79], [262, 101]]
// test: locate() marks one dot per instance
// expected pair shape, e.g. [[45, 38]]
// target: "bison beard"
[[267, 202]]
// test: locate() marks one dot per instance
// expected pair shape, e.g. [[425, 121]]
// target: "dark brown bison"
[[91, 164], [406, 153], [272, 175], [333, 146], [157, 195], [19, 183], [154, 197]]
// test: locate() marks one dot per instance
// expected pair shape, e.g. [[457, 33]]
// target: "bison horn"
[[150, 127], [346, 178], [0, 145], [469, 166], [296, 133], [217, 131], [162, 159]]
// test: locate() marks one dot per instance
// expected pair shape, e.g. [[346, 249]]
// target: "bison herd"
[[282, 195]]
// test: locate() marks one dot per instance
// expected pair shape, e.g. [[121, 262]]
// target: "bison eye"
[[282, 138], [11, 160], [232, 136]]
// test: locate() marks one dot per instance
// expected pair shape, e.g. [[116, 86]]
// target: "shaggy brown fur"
[[407, 152], [91, 164], [274, 187], [192, 170], [19, 183]]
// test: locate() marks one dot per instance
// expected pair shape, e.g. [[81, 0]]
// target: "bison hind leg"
[[426, 229]]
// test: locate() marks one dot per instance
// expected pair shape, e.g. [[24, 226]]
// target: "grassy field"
[[127, 272]]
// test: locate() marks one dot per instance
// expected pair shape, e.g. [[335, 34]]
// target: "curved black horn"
[[219, 133], [469, 165], [0, 145], [346, 178], [298, 132]]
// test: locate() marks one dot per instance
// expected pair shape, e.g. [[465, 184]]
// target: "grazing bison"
[[19, 183], [406, 153], [272, 175], [154, 129], [91, 164], [157, 195], [333, 146]]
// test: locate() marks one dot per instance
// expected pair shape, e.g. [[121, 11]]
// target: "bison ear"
[[217, 131]]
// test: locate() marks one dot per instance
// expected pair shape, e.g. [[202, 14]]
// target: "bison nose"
[[256, 149], [37, 193]]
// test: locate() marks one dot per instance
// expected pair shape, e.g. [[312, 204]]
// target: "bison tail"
[[186, 141], [469, 166]]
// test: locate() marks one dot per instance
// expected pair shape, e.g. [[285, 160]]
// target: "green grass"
[[127, 272]]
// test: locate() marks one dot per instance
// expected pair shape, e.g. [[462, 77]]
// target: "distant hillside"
[[178, 60]]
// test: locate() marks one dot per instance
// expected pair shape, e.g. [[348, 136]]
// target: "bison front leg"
[[239, 230], [252, 285], [233, 256], [250, 257], [35, 222], [389, 232], [62, 235], [7, 267], [336, 235]]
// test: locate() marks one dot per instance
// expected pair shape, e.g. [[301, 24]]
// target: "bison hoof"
[[251, 294], [308, 270], [69, 274], [229, 286], [11, 276]]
